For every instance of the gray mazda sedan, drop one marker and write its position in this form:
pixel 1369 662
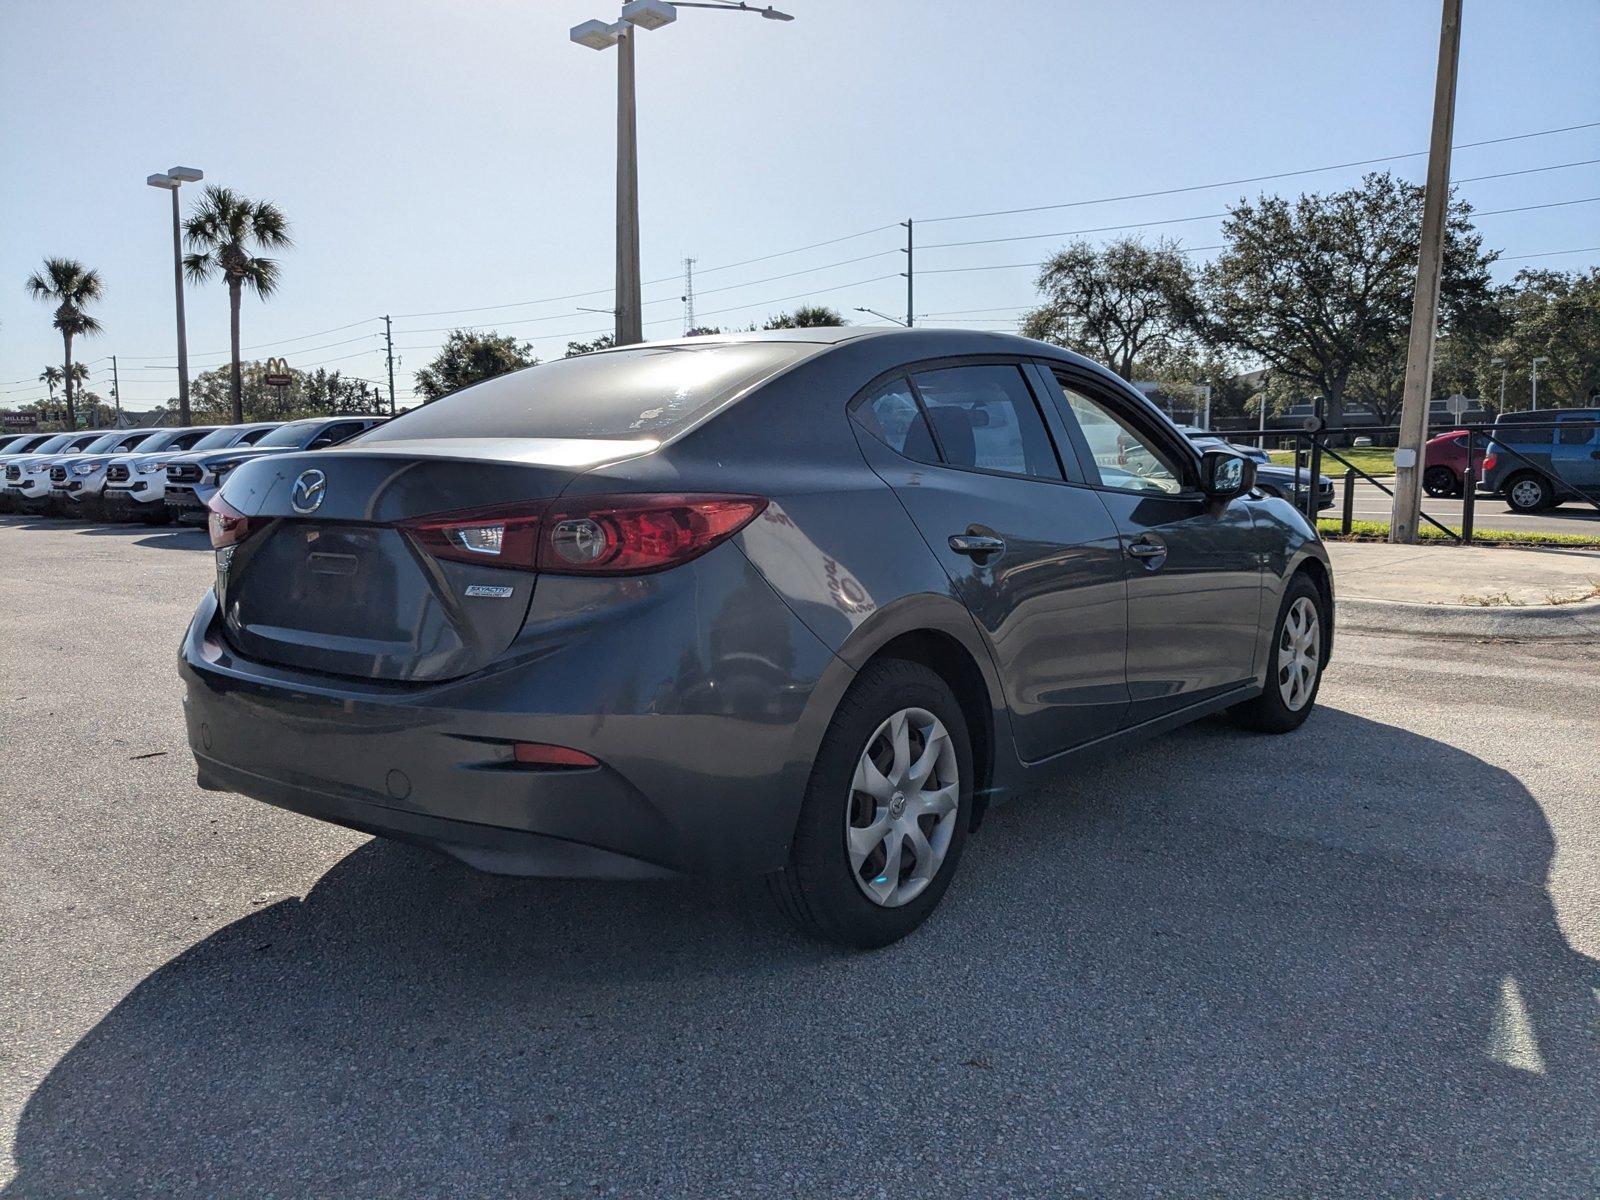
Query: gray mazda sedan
pixel 801 604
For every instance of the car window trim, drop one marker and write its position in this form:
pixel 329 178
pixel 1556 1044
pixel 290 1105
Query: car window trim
pixel 1137 408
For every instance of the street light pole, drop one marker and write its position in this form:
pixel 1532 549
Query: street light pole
pixel 1501 363
pixel 602 35
pixel 172 180
pixel 1536 362
pixel 906 324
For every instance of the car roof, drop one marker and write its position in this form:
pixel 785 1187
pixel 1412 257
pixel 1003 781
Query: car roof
pixel 1546 415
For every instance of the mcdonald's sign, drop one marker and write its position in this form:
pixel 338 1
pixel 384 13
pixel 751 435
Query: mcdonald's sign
pixel 277 373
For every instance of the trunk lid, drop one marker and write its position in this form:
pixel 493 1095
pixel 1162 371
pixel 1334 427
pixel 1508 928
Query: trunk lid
pixel 331 579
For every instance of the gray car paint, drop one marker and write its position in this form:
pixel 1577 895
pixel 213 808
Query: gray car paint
pixel 705 691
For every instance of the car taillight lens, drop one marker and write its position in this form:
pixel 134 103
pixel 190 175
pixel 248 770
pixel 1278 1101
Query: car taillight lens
pixel 633 535
pixel 602 535
pixel 1489 461
pixel 228 525
pixel 504 536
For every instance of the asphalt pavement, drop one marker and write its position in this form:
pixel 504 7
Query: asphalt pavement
pixel 1356 960
pixel 1489 512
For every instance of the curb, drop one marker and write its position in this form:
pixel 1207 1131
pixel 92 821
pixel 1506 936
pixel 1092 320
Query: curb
pixel 1529 622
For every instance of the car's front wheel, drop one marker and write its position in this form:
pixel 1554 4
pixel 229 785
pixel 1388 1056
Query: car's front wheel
pixel 1294 671
pixel 886 812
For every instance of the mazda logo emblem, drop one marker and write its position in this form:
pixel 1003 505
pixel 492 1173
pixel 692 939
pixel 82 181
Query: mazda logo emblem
pixel 308 491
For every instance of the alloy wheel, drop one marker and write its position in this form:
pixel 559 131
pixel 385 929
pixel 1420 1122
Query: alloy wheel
pixel 902 809
pixel 1527 493
pixel 1299 653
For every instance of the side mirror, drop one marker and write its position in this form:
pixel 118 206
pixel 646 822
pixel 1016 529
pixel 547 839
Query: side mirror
pixel 1225 475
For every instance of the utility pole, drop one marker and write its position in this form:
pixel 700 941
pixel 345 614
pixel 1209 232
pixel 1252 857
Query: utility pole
pixel 688 296
pixel 1425 301
pixel 910 273
pixel 116 388
pixel 630 319
pixel 388 337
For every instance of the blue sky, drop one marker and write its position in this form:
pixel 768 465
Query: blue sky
pixel 439 156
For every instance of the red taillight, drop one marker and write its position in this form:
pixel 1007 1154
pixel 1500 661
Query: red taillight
pixel 1489 461
pixel 504 536
pixel 228 525
pixel 602 535
pixel 631 535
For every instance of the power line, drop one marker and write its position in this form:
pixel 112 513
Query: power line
pixel 1201 187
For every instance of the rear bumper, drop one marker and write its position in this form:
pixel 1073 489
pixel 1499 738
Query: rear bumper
pixel 703 764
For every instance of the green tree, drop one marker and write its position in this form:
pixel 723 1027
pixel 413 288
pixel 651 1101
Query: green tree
pixel 807 316
pixel 69 285
pixel 1553 315
pixel 1320 287
pixel 604 342
pixel 468 357
pixel 1121 304
pixel 51 378
pixel 309 394
pixel 224 232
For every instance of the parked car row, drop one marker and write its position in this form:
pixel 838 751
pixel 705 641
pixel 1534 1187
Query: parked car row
pixel 149 475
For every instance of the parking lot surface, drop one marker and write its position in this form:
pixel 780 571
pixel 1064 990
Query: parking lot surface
pixel 1357 960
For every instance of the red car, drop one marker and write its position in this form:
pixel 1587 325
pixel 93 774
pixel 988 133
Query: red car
pixel 1444 462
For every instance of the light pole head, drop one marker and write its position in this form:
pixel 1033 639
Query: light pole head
pixel 649 14
pixel 773 14
pixel 597 35
pixel 1497 362
pixel 161 181
pixel 186 174
pixel 1543 358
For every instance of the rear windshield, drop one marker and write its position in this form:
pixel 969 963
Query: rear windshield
pixel 648 392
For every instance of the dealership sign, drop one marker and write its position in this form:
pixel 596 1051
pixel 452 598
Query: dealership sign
pixel 278 373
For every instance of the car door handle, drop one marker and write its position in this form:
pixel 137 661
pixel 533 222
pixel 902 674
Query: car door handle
pixel 1148 549
pixel 976 544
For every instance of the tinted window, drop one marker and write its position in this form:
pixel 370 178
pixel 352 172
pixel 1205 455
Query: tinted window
pixel 1578 433
pixel 254 436
pixel 188 439
pixel 1123 456
pixel 985 417
pixel 645 392
pixel 1514 435
pixel 891 414
pixel 334 434
pixel 217 439
pixel 295 434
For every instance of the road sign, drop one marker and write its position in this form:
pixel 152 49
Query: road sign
pixel 277 373
pixel 1457 404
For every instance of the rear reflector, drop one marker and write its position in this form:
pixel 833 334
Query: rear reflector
pixel 537 754
pixel 600 535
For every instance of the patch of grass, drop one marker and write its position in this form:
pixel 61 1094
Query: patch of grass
pixel 1378 531
pixel 1374 460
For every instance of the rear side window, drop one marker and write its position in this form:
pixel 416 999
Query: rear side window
pixel 644 392
pixel 1578 433
pixel 985 417
pixel 891 414
pixel 1514 434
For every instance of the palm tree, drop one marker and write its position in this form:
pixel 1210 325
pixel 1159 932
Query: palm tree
pixel 51 378
pixel 224 230
pixel 69 285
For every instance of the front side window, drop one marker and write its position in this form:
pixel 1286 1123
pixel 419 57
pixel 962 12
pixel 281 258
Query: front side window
pixel 1123 457
pixel 985 417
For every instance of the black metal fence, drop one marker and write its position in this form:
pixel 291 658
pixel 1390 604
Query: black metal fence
pixel 1313 445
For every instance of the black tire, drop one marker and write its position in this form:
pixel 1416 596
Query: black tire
pixel 818 890
pixel 1440 482
pixel 1529 492
pixel 1270 712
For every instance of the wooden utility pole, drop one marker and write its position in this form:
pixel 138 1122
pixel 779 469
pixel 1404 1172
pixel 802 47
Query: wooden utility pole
pixel 1408 461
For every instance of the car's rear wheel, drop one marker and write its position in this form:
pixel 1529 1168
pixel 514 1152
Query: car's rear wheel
pixel 886 812
pixel 1294 672
pixel 1440 481
pixel 1529 492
